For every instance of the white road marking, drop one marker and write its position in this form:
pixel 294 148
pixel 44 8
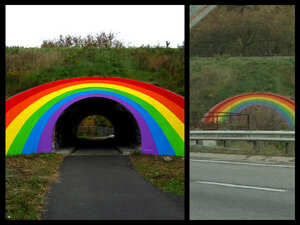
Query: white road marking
pixel 241 163
pixel 241 186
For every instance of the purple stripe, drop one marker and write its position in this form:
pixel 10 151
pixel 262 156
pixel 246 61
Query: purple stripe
pixel 147 142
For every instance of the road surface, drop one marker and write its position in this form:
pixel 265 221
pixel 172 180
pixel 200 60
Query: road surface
pixel 226 189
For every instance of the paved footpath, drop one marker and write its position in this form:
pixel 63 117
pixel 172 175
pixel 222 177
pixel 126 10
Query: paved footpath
pixel 107 187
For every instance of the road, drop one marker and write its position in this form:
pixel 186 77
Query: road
pixel 107 187
pixel 226 189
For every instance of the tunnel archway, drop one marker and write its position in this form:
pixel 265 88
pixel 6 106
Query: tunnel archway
pixel 32 115
pixel 126 130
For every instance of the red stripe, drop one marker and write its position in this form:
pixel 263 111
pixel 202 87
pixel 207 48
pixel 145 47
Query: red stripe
pixel 18 103
pixel 23 95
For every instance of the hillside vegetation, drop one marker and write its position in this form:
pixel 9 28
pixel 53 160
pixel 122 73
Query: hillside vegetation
pixel 30 67
pixel 213 80
pixel 245 30
pixel 240 49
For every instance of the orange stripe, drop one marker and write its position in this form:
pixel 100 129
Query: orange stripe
pixel 13 112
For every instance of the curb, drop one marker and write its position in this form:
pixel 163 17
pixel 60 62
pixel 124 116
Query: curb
pixel 256 158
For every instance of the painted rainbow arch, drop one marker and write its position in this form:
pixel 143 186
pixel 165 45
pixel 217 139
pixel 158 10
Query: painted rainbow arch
pixel 32 114
pixel 285 107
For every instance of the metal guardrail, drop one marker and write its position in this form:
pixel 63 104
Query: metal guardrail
pixel 245 135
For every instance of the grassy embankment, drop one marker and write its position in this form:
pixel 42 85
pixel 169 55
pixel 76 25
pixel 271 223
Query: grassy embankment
pixel 166 173
pixel 213 80
pixel 30 67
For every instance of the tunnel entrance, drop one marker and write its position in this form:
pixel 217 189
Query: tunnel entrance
pixel 95 126
pixel 126 132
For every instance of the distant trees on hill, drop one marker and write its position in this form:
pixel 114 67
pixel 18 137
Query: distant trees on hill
pixel 245 30
pixel 101 39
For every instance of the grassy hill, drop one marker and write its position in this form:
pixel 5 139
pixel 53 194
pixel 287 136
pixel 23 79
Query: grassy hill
pixel 30 67
pixel 213 80
pixel 239 49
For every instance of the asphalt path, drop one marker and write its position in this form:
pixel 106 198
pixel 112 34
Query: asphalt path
pixel 107 187
pixel 241 190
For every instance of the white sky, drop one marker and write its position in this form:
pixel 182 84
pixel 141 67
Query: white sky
pixel 29 25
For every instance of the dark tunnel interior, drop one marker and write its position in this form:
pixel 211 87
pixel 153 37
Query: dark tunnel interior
pixel 126 130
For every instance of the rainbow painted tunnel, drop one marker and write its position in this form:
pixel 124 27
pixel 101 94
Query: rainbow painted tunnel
pixel 140 112
pixel 284 107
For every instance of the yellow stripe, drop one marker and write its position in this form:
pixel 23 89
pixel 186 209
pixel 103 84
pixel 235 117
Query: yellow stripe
pixel 18 122
pixel 287 107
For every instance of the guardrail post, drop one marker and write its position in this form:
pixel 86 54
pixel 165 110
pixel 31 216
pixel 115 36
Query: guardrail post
pixel 256 146
pixel 248 121
pixel 289 146
pixel 199 142
pixel 227 144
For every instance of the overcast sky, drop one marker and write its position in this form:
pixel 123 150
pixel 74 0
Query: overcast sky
pixel 29 25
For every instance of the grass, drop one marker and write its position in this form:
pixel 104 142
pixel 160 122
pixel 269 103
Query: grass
pixel 246 148
pixel 30 67
pixel 167 175
pixel 28 178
